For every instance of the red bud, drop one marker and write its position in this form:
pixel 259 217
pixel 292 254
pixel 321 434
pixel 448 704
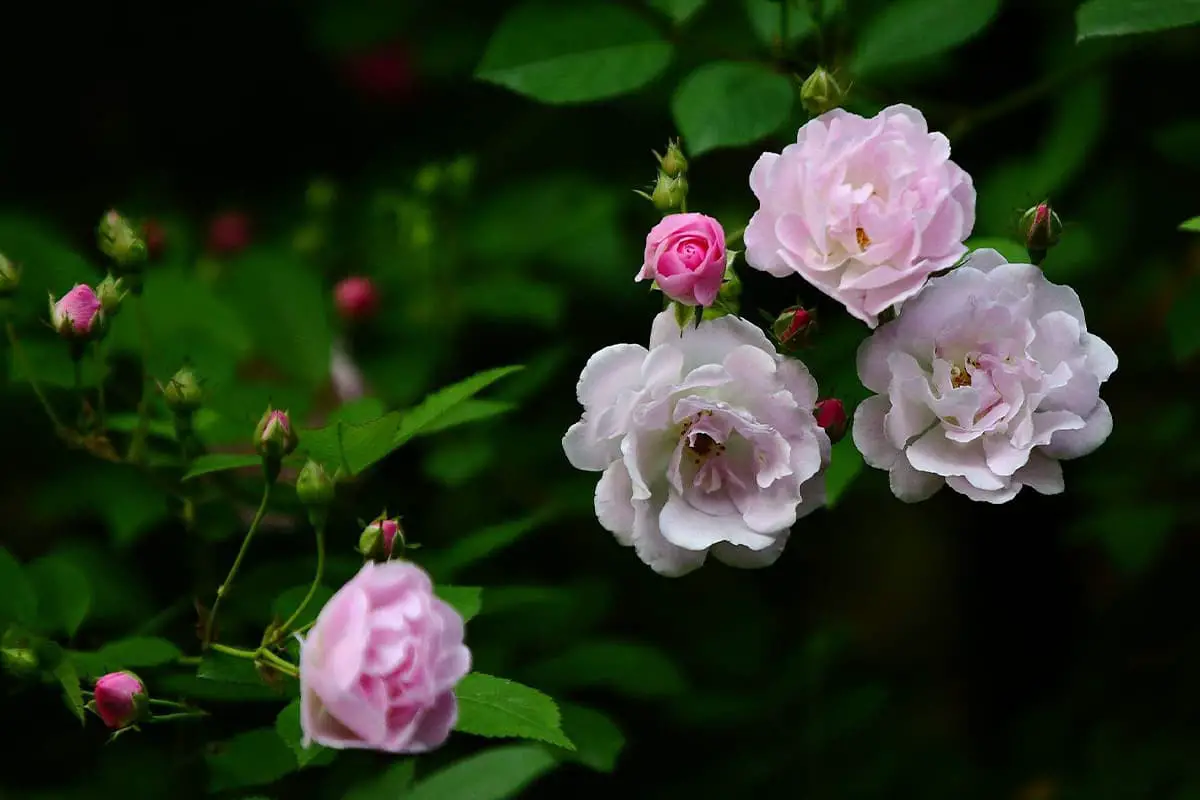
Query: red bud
pixel 356 298
pixel 831 415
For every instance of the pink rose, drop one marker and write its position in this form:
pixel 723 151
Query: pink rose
pixel 378 669
pixel 76 313
pixel 863 209
pixel 116 699
pixel 685 255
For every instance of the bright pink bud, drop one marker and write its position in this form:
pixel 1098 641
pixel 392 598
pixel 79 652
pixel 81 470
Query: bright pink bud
pixel 383 74
pixel 155 237
pixel 378 540
pixel 388 529
pixel 356 298
pixel 793 328
pixel 831 415
pixel 229 233
pixel 274 437
pixel 117 699
pixel 77 314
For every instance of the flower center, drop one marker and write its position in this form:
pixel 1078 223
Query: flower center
pixel 861 237
pixel 700 446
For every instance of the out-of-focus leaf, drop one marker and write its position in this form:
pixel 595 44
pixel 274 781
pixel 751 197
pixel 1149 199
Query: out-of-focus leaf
pixel 249 759
pixel 443 401
pixel 514 299
pixel 910 30
pixel 494 774
pixel 217 666
pixel 351 26
pixel 844 466
pixel 68 679
pixel 766 19
pixel 219 462
pixel 49 264
pixel 390 784
pixel 467 412
pixel 467 600
pixel 119 598
pixel 197 688
pixel 64 594
pixel 458 462
pixel 1133 536
pixel 447 562
pixel 490 706
pixel 598 741
pixel 628 668
pixel 356 446
pixel 1123 17
pixel 287 725
pixel 134 653
pixel 1183 322
pixel 574 52
pixel 680 11
pixel 290 600
pixel 118 494
pixel 1179 142
pixel 1192 225
pixel 18 601
pixel 729 104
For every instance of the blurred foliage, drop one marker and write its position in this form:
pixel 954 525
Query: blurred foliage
pixel 476 160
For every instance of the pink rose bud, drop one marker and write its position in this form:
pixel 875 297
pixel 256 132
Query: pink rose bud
pixel 229 233
pixel 119 699
pixel 155 237
pixel 685 257
pixel 831 415
pixel 77 314
pixel 274 437
pixel 378 540
pixel 1042 229
pixel 356 298
pixel 379 667
pixel 793 328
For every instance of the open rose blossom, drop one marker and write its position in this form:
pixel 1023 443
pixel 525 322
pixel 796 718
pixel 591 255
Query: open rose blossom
pixel 863 209
pixel 707 442
pixel 983 382
pixel 379 667
pixel 685 256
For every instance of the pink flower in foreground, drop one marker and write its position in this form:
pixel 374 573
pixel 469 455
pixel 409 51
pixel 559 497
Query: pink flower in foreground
pixel 77 314
pixel 983 382
pixel 356 298
pixel 707 443
pixel 116 699
pixel 863 209
pixel 379 667
pixel 685 256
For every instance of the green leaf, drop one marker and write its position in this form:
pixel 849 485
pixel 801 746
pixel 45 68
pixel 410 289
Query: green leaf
pixel 290 600
pixel 249 759
pixel 63 594
pixel 18 602
pixel 598 741
pixel 910 30
pixel 447 562
pixel 729 104
pixel 68 678
pixel 467 600
pixel 49 264
pixel 197 688
pixel 844 466
pixel 219 462
pixel 1123 17
pixel 510 298
pixel 457 462
pixel 680 11
pixel 573 53
pixel 287 725
pixel 489 706
pixel 224 668
pixel 441 402
pixel 1183 322
pixel 765 18
pixel 134 653
pixel 628 668
pixel 356 446
pixel 494 774
pixel 391 784
pixel 1192 225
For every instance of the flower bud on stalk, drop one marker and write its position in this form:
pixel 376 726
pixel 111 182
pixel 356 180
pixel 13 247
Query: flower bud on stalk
pixel 118 240
pixel 111 292
pixel 820 92
pixel 1041 228
pixel 673 164
pixel 316 491
pixel 378 540
pixel 77 317
pixel 793 328
pixel 831 415
pixel 183 396
pixel 670 194
pixel 119 700
pixel 274 439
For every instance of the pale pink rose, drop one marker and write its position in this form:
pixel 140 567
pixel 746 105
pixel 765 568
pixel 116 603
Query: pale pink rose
pixel 76 313
pixel 685 256
pixel 863 209
pixel 379 667
pixel 983 382
pixel 116 699
pixel 707 442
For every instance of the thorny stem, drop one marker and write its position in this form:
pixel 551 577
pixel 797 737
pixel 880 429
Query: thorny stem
pixel 312 590
pixel 19 355
pixel 237 562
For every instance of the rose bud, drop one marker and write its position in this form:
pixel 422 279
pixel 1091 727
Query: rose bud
pixel 117 239
pixel 378 540
pixel 356 298
pixel 229 233
pixel 78 315
pixel 155 237
pixel 119 699
pixel 111 292
pixel 793 328
pixel 182 393
pixel 831 415
pixel 669 193
pixel 820 92
pixel 274 437
pixel 1041 228
pixel 673 164
pixel 685 257
pixel 316 491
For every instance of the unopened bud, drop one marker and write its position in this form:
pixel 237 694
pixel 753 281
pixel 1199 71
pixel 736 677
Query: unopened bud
pixel 10 277
pixel 673 164
pixel 316 491
pixel 831 416
pixel 356 298
pixel 274 437
pixel 792 328
pixel 229 233
pixel 820 92
pixel 155 237
pixel 182 393
pixel 378 540
pixel 119 699
pixel 19 661
pixel 111 292
pixel 119 241
pixel 77 316
pixel 1042 229
pixel 669 193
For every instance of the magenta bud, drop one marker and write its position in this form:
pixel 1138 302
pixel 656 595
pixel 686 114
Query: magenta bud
pixel 274 437
pixel 793 327
pixel 378 540
pixel 119 699
pixel 77 315
pixel 831 416
pixel 356 298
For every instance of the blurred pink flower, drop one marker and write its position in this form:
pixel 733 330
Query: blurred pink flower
pixel 344 374
pixel 229 233
pixel 379 667
pixel 685 257
pixel 356 298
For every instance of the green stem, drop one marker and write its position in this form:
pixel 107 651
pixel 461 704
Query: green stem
pixel 312 590
pixel 304 628
pixel 101 404
pixel 736 236
pixel 19 356
pixel 181 715
pixel 281 664
pixel 138 443
pixel 261 654
pixel 154 701
pixel 223 589
pixel 80 398
pixel 236 652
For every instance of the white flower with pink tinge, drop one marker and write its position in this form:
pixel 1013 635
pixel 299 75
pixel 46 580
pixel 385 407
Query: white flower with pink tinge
pixel 985 380
pixel 707 443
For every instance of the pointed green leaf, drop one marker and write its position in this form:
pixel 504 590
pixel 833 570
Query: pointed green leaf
pixel 445 563
pixel 680 11
pixel 467 412
pixel 287 725
pixel 467 600
pixel 18 602
pixel 218 462
pixel 629 668
pixel 490 706
pixel 573 52
pixel 730 104
pixel 249 759
pixel 597 739
pixel 133 653
pixel 1192 225
pixel 68 678
pixel 1123 17
pixel 494 774
pixel 441 402
pixel 766 20
pixel 909 30
pixel 63 594
pixel 356 446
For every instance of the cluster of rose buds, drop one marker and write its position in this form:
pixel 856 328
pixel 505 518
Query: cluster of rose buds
pixel 670 189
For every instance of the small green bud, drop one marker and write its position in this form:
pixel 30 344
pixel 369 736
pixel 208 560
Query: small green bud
pixel 274 436
pixel 314 487
pixel 111 292
pixel 669 193
pixel 673 163
pixel 820 92
pixel 121 242
pixel 1042 229
pixel 182 393
pixel 10 277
